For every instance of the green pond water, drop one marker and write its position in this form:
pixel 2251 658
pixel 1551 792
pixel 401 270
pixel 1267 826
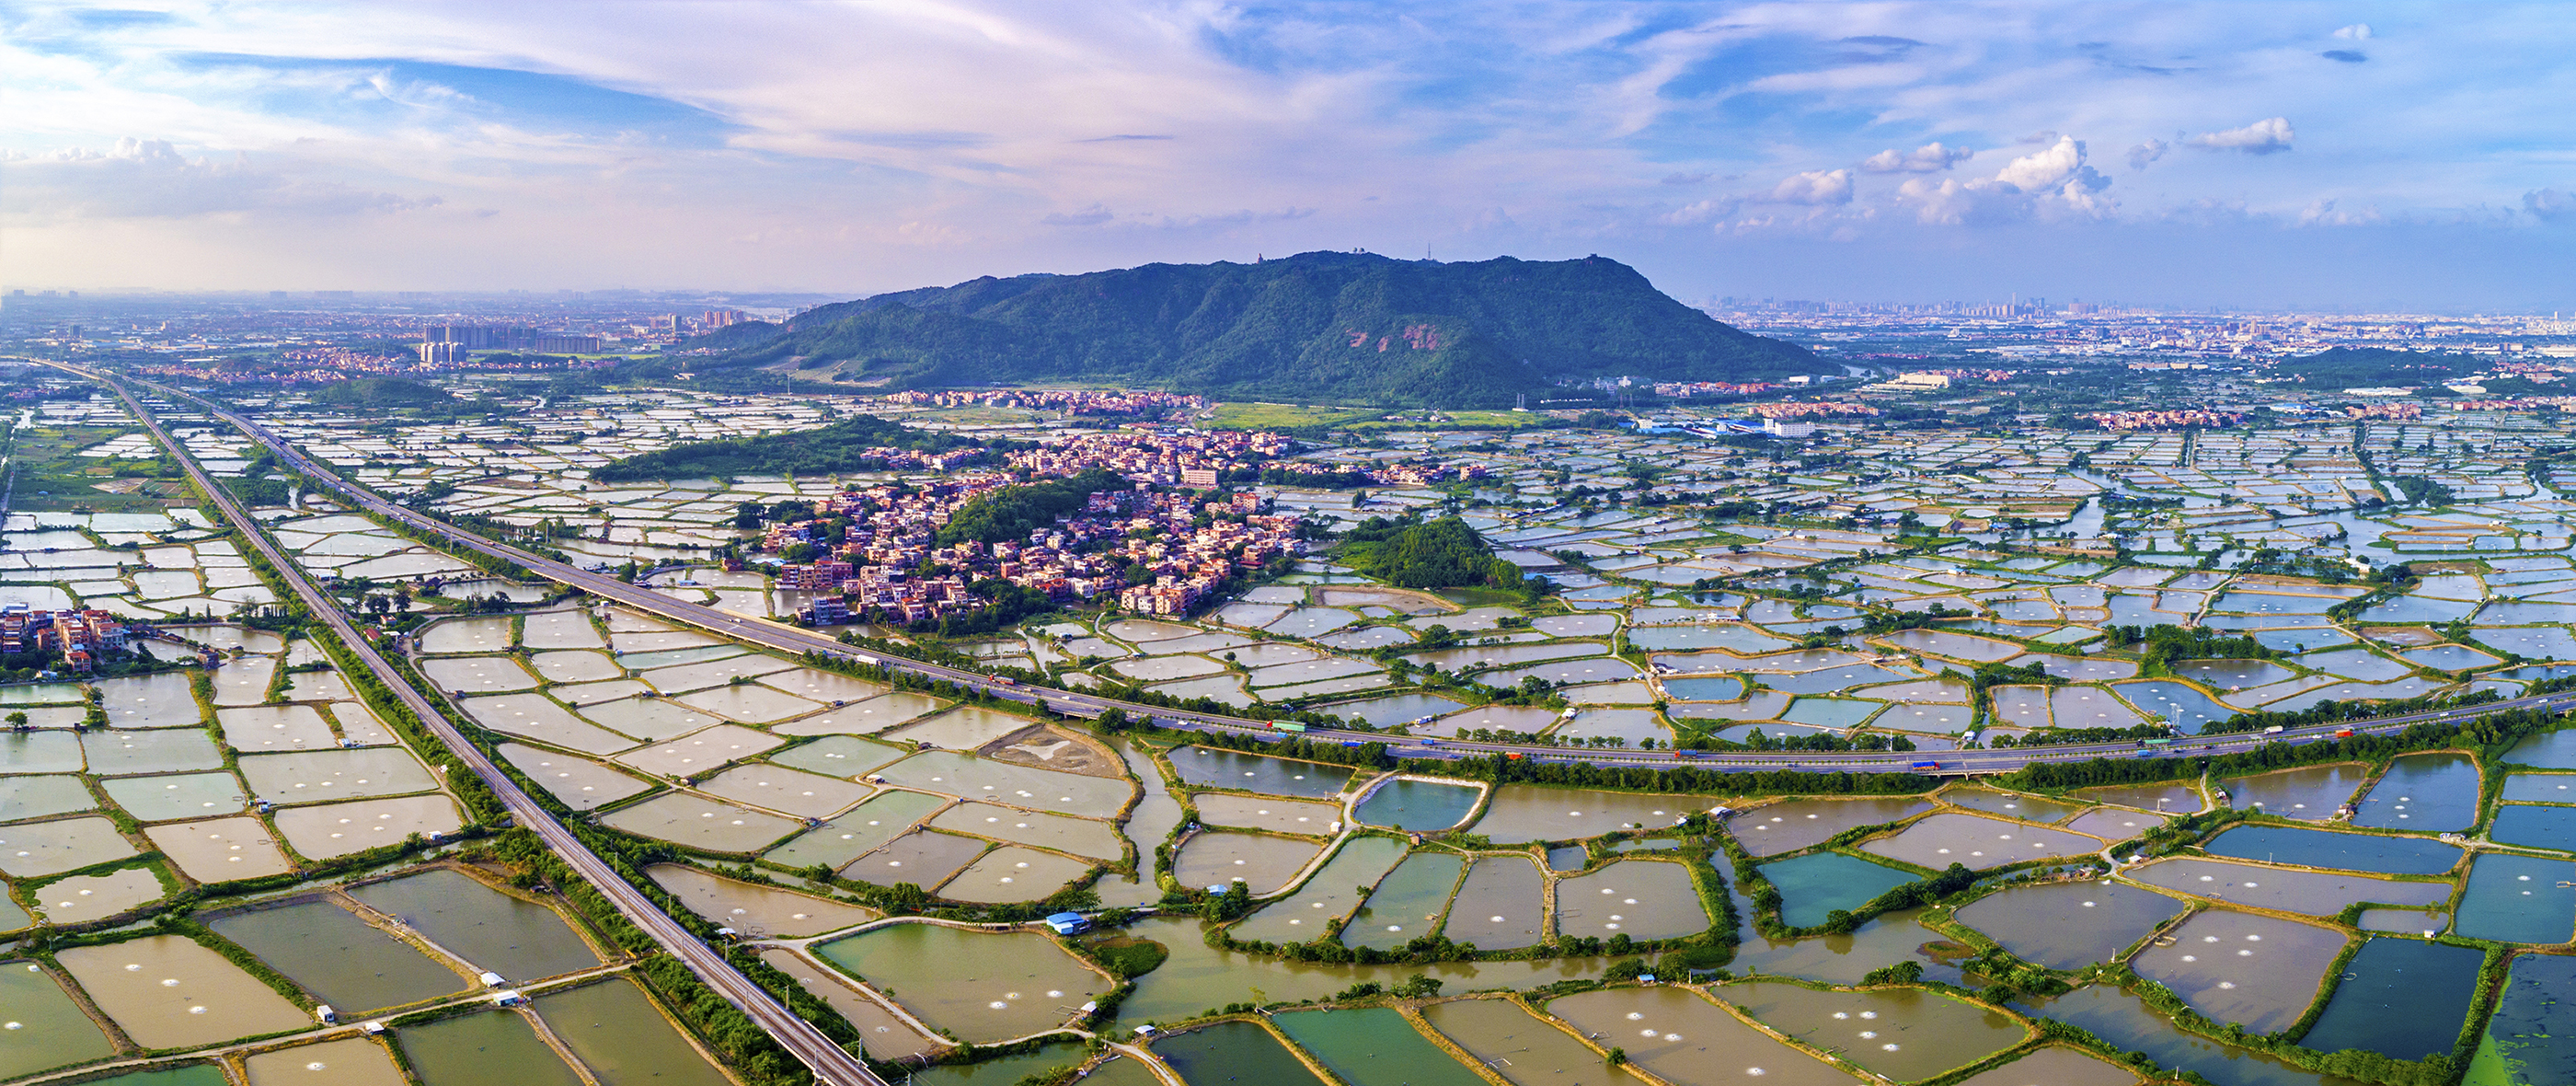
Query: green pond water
pixel 2401 998
pixel 2069 925
pixel 2518 899
pixel 2435 792
pixel 2131 1026
pixel 199 1074
pixel 2345 851
pixel 1006 1071
pixel 1422 806
pixel 1407 903
pixel 338 957
pixel 2527 1041
pixel 1821 882
pixel 1233 1052
pixel 1520 1047
pixel 615 1030
pixel 40 1027
pixel 1157 812
pixel 1198 977
pixel 1884 940
pixel 1374 1047
pixel 482 1048
pixel 520 940
pixel 1206 768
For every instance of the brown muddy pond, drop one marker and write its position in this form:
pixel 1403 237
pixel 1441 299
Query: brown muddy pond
pixel 1904 1034
pixel 1521 813
pixel 353 1062
pixel 984 986
pixel 316 775
pixel 222 849
pixel 1260 861
pixel 337 829
pixel 580 783
pixel 82 898
pixel 881 1034
pixel 64 844
pixel 165 991
pixel 1641 899
pixel 1521 1048
pixel 1329 896
pixel 865 828
pixel 1940 840
pixel 2254 970
pixel 703 823
pixel 185 795
pixel 1013 873
pixel 1795 824
pixel 2311 794
pixel 922 858
pixel 2069 925
pixel 1683 1039
pixel 1078 836
pixel 2056 1067
pixel 761 911
pixel 1501 906
pixel 340 959
pixel 788 791
pixel 845 756
pixel 1266 813
pixel 966 776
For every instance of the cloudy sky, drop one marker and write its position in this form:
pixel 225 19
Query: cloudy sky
pixel 2255 154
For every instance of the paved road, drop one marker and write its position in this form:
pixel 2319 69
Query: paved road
pixel 830 1064
pixel 1078 703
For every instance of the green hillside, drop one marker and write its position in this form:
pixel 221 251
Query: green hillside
pixel 1339 326
pixel 2362 367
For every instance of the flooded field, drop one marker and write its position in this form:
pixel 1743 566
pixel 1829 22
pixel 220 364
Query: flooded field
pixel 165 991
pixel 1902 1034
pixel 1642 899
pixel 2401 998
pixel 1684 1039
pixel 984 986
pixel 2256 971
pixel 1798 823
pixel 2069 925
pixel 1422 806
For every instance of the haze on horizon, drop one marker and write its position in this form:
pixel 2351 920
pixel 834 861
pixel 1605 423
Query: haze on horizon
pixel 2292 154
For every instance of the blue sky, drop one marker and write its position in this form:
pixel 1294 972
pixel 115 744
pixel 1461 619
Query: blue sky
pixel 2367 156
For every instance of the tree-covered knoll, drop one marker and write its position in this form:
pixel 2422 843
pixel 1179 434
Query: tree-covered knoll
pixel 840 447
pixel 382 392
pixel 1341 326
pixel 1012 512
pixel 2370 367
pixel 1443 553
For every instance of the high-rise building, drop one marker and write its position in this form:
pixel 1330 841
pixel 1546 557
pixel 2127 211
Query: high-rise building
pixel 436 352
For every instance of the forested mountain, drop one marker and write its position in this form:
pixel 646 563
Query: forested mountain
pixel 1328 326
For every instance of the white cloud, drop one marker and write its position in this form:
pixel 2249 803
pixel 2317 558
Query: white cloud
pixel 2322 212
pixel 2262 137
pixel 1815 188
pixel 2355 32
pixel 150 179
pixel 2549 203
pixel 1929 158
pixel 2054 183
pixel 2145 154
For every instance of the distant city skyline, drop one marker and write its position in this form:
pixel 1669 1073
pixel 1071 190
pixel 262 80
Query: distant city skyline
pixel 2336 157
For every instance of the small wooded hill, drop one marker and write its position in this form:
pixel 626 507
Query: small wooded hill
pixel 843 446
pixel 2362 367
pixel 1330 326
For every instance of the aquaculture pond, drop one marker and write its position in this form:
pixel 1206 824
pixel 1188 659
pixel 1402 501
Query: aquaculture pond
pixel 1374 1046
pixel 1821 882
pixel 1642 899
pixel 2181 704
pixel 47 1029
pixel 2541 827
pixel 1519 1047
pixel 1408 903
pixel 1795 824
pixel 1417 805
pixel 1260 861
pixel 2426 792
pixel 2316 893
pixel 1501 906
pixel 1233 1052
pixel 2381 853
pixel 2129 1025
pixel 1204 767
pixel 614 1029
pixel 1199 978
pixel 2259 971
pixel 1522 813
pixel 1684 1039
pixel 2402 998
pixel 1329 896
pixel 520 940
pixel 2527 1041
pixel 2069 925
pixel 2310 794
pixel 984 986
pixel 482 1048
pixel 2518 899
pixel 1902 1034
pixel 339 958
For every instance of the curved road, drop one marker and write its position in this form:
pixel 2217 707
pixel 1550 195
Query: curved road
pixel 1078 703
pixel 831 1065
